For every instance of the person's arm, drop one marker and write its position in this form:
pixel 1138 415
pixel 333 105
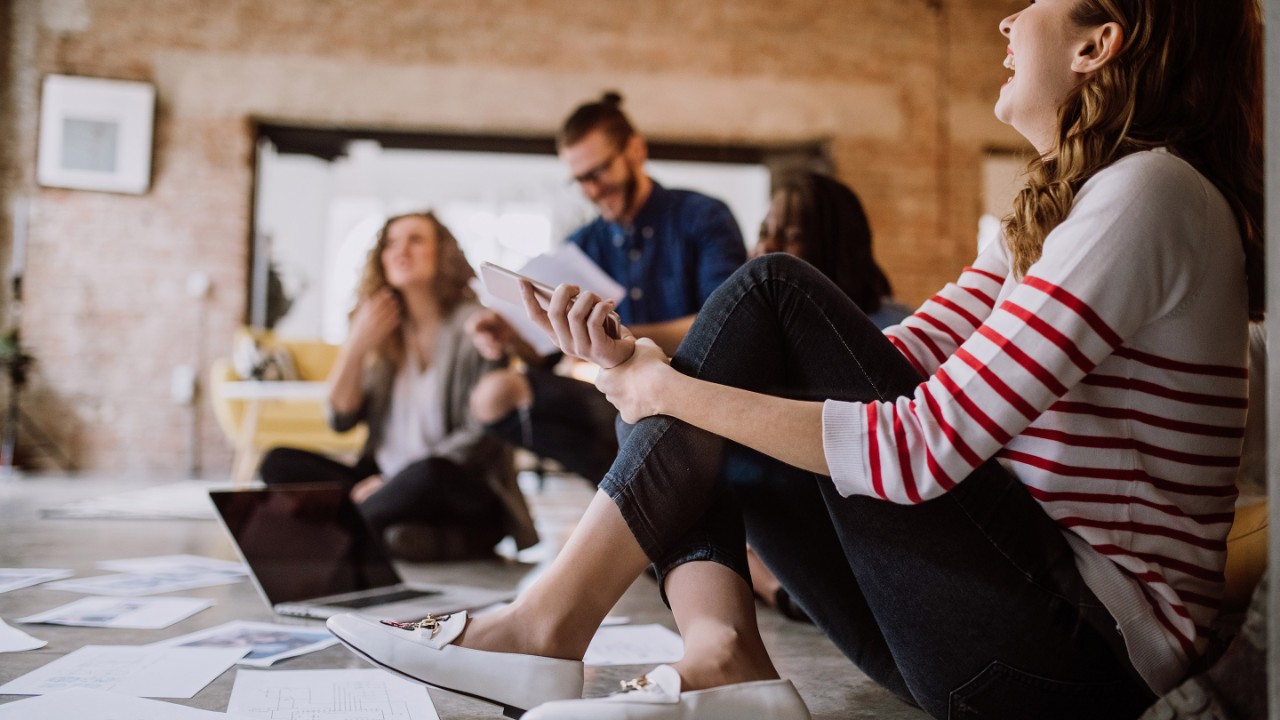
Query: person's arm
pixel 720 251
pixel 645 385
pixel 465 367
pixel 373 322
pixel 495 338
pixel 638 381
pixel 720 247
pixel 945 321
pixel 1136 231
pixel 668 334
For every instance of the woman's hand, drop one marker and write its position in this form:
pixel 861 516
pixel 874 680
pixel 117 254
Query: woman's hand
pixel 375 320
pixel 491 334
pixel 636 386
pixel 576 323
pixel 366 487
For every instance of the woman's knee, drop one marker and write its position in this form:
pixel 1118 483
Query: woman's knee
pixel 498 393
pixel 277 465
pixel 776 264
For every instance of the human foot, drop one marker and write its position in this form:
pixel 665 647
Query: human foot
pixel 661 694
pixel 426 651
pixel 515 629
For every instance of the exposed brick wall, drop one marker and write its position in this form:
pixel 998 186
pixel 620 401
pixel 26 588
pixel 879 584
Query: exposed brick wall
pixel 901 91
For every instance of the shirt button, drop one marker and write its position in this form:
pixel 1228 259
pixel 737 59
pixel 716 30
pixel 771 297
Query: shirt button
pixel 636 293
pixel 618 240
pixel 634 255
pixel 647 233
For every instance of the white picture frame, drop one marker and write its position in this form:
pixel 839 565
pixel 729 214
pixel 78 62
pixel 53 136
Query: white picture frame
pixel 96 134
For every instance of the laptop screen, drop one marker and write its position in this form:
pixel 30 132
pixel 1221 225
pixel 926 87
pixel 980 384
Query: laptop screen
pixel 304 541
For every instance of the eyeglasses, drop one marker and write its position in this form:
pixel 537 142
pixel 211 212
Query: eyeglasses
pixel 594 175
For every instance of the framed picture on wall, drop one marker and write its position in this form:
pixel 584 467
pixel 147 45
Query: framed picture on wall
pixel 95 134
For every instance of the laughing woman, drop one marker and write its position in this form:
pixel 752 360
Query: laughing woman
pixel 1013 504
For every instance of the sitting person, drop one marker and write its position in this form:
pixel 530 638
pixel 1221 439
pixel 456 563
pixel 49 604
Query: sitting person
pixel 668 248
pixel 820 220
pixel 430 481
pixel 1013 504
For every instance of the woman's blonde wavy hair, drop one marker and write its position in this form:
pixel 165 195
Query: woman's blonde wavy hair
pixel 1189 78
pixel 453 273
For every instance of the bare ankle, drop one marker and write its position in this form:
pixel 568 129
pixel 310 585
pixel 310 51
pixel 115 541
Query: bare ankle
pixel 513 630
pixel 723 660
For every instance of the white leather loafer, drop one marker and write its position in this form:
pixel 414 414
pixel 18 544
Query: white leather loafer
pixel 657 696
pixel 422 651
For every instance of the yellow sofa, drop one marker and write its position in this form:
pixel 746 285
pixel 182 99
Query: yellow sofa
pixel 1246 554
pixel 298 422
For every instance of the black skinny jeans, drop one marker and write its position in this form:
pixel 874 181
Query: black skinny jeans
pixel 969 605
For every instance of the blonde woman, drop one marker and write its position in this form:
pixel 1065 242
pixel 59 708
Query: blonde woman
pixel 429 479
pixel 1011 505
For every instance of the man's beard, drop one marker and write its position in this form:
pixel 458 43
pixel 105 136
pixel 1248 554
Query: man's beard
pixel 630 189
pixel 627 190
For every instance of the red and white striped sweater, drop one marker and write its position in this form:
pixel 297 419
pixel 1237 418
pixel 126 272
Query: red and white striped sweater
pixel 1111 380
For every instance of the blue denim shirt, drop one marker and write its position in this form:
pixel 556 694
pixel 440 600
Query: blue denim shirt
pixel 680 247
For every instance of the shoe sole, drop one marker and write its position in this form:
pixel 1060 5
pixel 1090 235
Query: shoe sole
pixel 508 710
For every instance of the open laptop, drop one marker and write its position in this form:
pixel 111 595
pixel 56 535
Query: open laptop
pixel 311 555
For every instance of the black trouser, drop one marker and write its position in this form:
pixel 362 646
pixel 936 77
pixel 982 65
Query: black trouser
pixel 569 421
pixel 432 491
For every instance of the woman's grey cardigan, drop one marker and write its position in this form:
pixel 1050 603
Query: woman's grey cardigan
pixel 465 443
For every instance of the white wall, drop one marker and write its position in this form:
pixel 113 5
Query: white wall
pixel 505 208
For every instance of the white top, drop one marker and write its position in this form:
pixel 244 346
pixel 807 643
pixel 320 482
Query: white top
pixel 1112 381
pixel 415 422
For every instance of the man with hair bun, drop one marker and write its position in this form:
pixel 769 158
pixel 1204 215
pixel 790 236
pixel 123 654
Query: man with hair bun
pixel 669 248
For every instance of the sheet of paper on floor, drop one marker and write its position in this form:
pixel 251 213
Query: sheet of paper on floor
pixel 186 500
pixel 137 584
pixel 14 640
pixel 322 693
pixel 634 645
pixel 136 613
pixel 129 670
pixel 14 578
pixel 84 704
pixel 162 564
pixel 267 643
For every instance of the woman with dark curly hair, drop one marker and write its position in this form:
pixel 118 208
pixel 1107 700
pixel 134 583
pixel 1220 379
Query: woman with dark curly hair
pixel 430 480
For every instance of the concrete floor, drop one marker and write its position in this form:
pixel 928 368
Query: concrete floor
pixel 829 683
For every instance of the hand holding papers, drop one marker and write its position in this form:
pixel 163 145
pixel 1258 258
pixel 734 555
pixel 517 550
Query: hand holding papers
pixel 505 285
pixel 568 264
